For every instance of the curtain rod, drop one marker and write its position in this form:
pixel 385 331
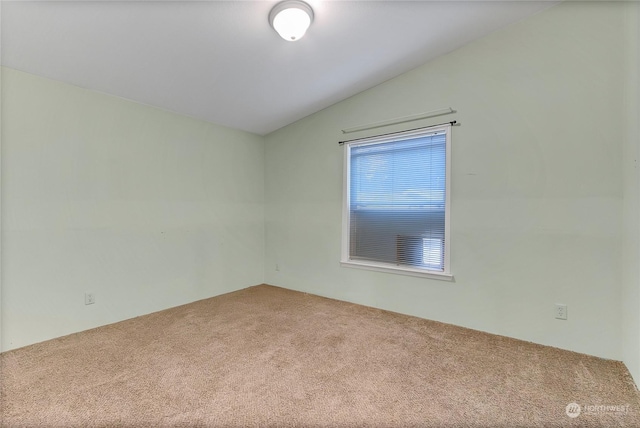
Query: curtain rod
pixel 452 123
pixel 398 120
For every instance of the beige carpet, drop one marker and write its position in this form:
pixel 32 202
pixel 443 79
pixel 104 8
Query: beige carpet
pixel 265 356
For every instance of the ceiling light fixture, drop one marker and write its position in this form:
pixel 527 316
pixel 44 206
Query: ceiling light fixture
pixel 291 18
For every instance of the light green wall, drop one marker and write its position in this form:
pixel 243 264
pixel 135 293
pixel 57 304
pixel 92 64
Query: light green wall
pixel 631 202
pixel 146 208
pixel 537 184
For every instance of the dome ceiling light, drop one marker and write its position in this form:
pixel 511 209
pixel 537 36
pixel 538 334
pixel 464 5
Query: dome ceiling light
pixel 291 19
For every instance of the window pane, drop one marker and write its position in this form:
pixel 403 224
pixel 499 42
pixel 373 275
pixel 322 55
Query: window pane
pixel 407 173
pixel 397 201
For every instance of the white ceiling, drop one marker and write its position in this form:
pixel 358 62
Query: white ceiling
pixel 221 61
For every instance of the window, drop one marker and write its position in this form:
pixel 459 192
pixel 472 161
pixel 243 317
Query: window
pixel 396 204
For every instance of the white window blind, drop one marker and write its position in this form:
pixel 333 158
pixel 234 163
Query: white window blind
pixel 397 200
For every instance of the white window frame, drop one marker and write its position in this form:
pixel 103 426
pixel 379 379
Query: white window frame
pixel 346 235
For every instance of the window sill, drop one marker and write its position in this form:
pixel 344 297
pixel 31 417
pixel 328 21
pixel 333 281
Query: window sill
pixel 398 270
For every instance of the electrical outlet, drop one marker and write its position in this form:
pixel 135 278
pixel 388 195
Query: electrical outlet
pixel 277 267
pixel 89 298
pixel 561 311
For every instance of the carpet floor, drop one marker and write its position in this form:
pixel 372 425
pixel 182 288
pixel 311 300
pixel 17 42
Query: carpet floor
pixel 269 357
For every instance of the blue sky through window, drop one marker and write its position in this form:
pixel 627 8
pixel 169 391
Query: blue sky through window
pixel 408 174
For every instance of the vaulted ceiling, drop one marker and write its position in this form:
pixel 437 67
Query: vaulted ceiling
pixel 221 61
